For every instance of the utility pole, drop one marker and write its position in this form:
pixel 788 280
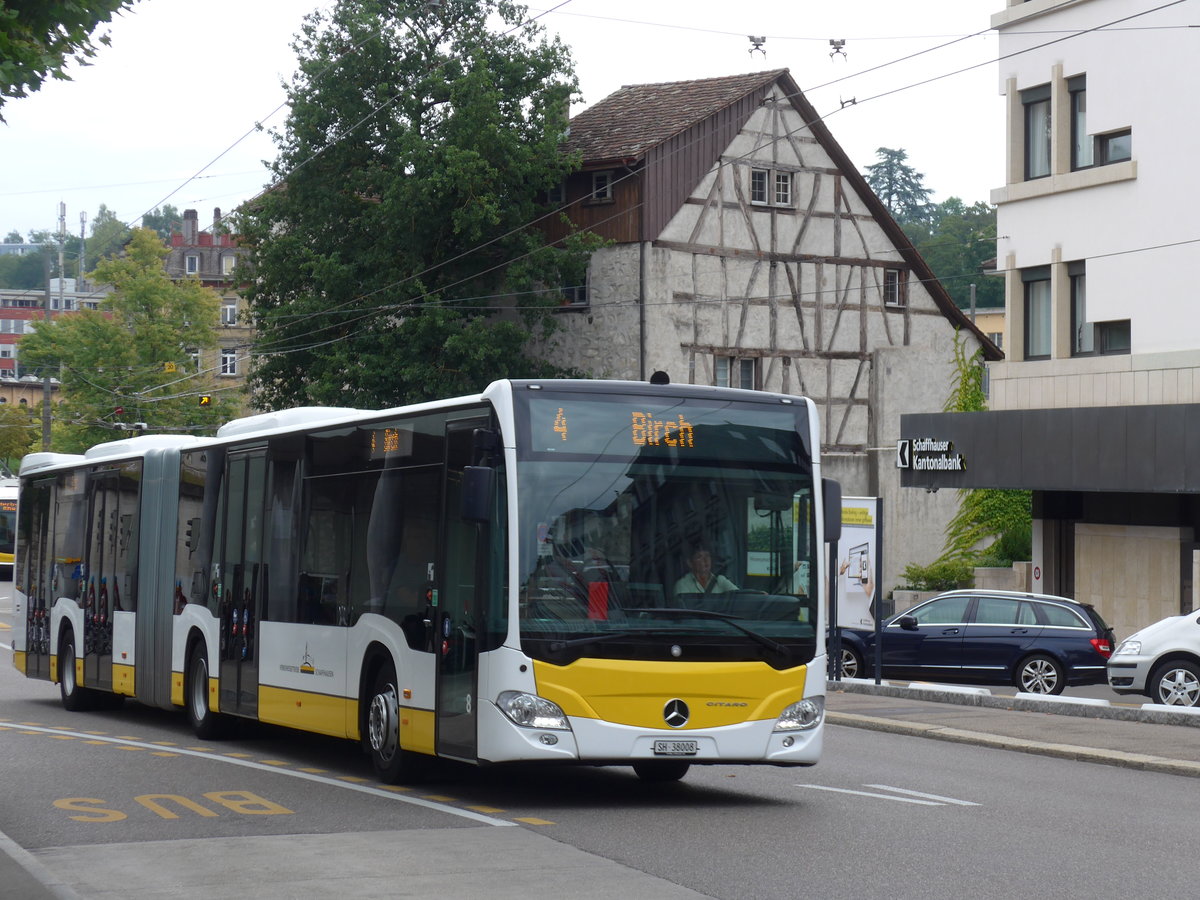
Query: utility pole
pixel 45 377
pixel 82 251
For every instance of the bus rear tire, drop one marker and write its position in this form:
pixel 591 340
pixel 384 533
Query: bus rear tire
pixel 75 698
pixel 206 724
pixel 661 770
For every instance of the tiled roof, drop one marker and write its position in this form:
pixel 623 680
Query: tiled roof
pixel 626 124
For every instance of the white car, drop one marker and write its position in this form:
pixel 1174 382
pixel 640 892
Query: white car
pixel 1161 661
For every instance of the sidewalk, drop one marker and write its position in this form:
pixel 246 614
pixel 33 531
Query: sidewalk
pixel 1154 738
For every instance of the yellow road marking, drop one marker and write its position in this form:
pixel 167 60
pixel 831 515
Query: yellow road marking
pixel 63 737
pixel 274 762
pixel 238 755
pixel 164 753
pixel 134 749
pixel 396 788
pixel 353 779
pixel 97 743
pixel 532 821
pixel 314 771
pixel 439 798
pixel 486 809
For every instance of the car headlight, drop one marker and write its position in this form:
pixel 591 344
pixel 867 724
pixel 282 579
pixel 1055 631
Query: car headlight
pixel 1129 648
pixel 532 711
pixel 802 715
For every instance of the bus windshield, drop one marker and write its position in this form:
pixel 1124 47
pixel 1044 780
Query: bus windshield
pixel 659 527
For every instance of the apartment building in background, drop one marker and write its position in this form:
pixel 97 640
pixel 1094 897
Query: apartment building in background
pixel 1096 406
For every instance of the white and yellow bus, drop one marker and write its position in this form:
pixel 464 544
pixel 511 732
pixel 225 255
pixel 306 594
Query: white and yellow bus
pixel 8 524
pixel 486 579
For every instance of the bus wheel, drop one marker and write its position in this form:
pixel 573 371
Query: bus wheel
pixel 659 770
pixel 74 697
pixel 381 736
pixel 206 724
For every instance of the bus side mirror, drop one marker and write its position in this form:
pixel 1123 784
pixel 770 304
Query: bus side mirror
pixel 831 498
pixel 477 494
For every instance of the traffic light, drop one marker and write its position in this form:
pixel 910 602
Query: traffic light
pixel 206 400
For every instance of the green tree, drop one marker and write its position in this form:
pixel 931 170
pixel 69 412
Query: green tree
pixel 39 37
pixel 956 240
pixel 109 235
pixel 18 431
pixel 419 138
pixel 14 237
pixel 130 361
pixel 1001 518
pixel 900 186
pixel 165 221
pixel 26 272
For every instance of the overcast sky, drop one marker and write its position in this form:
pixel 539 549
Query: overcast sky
pixel 163 113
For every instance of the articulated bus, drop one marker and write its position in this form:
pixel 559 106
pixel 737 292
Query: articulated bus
pixel 487 579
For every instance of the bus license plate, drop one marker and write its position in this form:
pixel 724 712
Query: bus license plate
pixel 676 748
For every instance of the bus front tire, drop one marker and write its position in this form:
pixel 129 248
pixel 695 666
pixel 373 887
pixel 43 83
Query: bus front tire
pixel 206 724
pixel 381 730
pixel 75 698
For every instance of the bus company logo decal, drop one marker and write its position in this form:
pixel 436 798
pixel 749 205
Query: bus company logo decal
pixel 676 713
pixel 726 703
pixel 306 667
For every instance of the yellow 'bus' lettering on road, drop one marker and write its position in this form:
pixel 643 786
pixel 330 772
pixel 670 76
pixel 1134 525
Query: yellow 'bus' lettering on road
pixel 150 802
pixel 248 803
pixel 95 814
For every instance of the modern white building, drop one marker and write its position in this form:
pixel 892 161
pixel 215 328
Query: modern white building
pixel 1096 408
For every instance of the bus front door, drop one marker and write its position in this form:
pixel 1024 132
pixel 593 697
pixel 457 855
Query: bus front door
pixel 458 611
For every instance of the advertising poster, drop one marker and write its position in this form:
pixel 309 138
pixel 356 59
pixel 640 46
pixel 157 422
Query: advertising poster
pixel 856 562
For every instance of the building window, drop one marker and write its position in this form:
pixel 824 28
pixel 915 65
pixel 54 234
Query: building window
pixel 557 195
pixel 734 372
pixel 1114 147
pixel 758 186
pixel 783 188
pixel 1082 342
pixel 191 265
pixel 1037 312
pixel 602 187
pixel 229 362
pixel 893 288
pixel 228 264
pixel 194 354
pixel 997 338
pixel 770 188
pixel 1037 131
pixel 576 295
pixel 229 312
pixel 12 326
pixel 1081 141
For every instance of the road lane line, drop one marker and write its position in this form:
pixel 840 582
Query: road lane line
pixel 304 776
pixel 888 787
pixel 821 787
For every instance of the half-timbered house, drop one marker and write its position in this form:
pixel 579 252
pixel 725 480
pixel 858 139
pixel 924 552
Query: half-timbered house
pixel 746 250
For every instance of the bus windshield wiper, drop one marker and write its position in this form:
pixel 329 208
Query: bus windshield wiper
pixel 675 612
pixel 602 636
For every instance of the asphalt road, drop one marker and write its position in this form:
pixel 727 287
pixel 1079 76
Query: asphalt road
pixel 127 803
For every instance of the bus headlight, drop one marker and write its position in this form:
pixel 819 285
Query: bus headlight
pixel 802 715
pixel 532 711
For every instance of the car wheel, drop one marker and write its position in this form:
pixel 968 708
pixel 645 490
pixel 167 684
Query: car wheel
pixel 852 664
pixel 661 771
pixel 1176 683
pixel 1040 675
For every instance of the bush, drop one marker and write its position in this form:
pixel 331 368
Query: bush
pixel 1012 546
pixel 942 575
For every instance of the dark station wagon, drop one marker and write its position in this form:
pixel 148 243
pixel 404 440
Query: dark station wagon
pixel 1035 642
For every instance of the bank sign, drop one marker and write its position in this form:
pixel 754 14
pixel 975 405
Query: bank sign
pixel 929 455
